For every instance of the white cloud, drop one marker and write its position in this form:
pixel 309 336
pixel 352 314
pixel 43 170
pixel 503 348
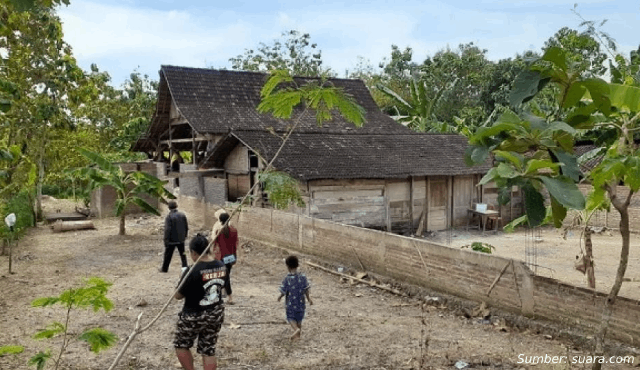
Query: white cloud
pixel 120 38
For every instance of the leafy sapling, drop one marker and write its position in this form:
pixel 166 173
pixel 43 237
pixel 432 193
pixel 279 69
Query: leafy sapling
pixel 91 295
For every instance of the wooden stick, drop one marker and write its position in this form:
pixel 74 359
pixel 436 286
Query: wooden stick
pixel 358 257
pixel 426 270
pixel 498 277
pixel 394 291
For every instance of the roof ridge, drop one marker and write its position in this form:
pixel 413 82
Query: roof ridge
pixel 233 71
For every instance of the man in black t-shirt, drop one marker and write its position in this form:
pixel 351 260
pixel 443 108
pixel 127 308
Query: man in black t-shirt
pixel 203 311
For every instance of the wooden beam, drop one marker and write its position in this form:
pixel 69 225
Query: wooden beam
pixel 185 140
pixel 427 204
pixel 387 207
pixel 411 187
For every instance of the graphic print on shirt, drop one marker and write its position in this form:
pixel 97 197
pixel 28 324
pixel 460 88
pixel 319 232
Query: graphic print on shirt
pixel 213 287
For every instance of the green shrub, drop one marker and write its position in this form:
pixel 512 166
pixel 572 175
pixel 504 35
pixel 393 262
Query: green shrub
pixel 21 206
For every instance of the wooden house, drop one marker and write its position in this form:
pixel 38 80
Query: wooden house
pixel 381 175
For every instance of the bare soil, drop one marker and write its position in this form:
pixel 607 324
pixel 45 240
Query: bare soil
pixel 350 326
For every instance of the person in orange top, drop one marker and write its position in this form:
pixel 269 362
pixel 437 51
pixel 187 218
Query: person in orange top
pixel 227 243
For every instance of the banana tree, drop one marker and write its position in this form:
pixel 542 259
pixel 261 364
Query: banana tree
pixel 130 187
pixel 419 113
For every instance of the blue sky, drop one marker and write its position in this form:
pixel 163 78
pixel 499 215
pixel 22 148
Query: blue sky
pixel 123 35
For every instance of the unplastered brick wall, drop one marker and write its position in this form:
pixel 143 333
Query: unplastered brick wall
pixel 500 282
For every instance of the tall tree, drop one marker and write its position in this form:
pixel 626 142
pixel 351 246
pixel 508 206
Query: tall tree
pixel 582 50
pixel 296 54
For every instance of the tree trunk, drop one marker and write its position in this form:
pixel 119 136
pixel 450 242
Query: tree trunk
pixel 623 209
pixel 38 210
pixel 588 248
pixel 122 229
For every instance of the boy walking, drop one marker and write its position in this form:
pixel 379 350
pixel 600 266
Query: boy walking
pixel 294 288
pixel 203 311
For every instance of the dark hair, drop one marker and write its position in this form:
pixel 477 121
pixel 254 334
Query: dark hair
pixel 198 243
pixel 292 262
pixel 224 217
pixel 172 204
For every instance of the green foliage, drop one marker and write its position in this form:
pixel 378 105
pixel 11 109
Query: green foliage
pixel 480 247
pixel 282 189
pixel 280 96
pixel 419 113
pixel 322 97
pixel 11 350
pixel 99 339
pixel 40 359
pixel 21 205
pixel 92 294
pixel 296 54
pixel 130 187
pixel 50 331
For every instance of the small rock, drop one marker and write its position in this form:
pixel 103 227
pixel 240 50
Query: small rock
pixel 461 365
pixel 142 303
pixel 547 336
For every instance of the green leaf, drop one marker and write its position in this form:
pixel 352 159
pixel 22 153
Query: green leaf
pixel 275 78
pixel 44 301
pixel 600 92
pixel 505 171
pixel 570 166
pixel 526 86
pixel 632 174
pixel 510 227
pixel 564 190
pixel 99 160
pixel 557 56
pixel 51 331
pixel 516 159
pixel 625 96
pixel 491 174
pixel 476 155
pixel 533 165
pixel 533 205
pixel 145 206
pixel 11 350
pixel 597 200
pixel 40 359
pixel 99 339
pixel 559 212
pixel 574 94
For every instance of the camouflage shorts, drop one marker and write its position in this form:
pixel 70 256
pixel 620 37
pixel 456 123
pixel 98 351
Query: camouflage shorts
pixel 203 325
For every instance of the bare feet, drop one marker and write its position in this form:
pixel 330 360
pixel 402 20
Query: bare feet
pixel 296 334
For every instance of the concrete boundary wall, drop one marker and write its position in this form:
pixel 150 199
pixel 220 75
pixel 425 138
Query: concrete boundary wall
pixel 503 283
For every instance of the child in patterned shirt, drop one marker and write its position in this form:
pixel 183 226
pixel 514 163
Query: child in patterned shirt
pixel 295 287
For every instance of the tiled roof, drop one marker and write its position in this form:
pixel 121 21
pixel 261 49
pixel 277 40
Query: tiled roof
pixel 224 102
pixel 333 156
pixel 215 100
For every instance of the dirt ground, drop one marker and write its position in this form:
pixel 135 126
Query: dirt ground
pixel 350 326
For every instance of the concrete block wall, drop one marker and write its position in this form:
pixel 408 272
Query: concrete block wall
pixel 459 272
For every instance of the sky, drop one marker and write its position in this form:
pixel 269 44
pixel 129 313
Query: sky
pixel 123 36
